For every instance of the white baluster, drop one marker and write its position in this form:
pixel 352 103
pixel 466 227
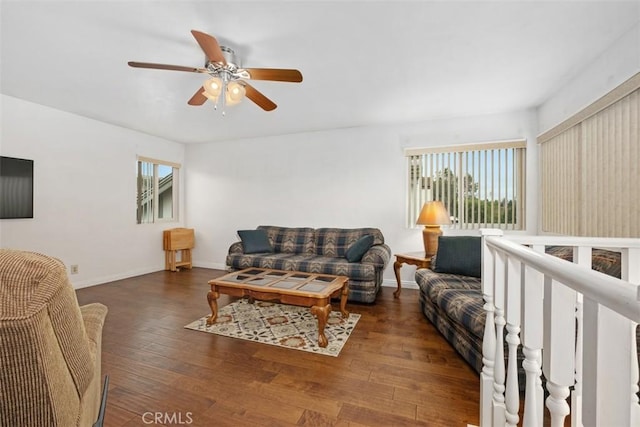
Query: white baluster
pixel 489 336
pixel 540 389
pixel 576 396
pixel 631 273
pixel 532 326
pixel 532 414
pixel 559 347
pixel 513 298
pixel 512 399
pixel 488 353
pixel 499 409
pixel 581 256
pixel 635 404
pixel 557 403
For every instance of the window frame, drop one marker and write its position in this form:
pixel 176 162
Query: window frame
pixel 156 189
pixel 419 191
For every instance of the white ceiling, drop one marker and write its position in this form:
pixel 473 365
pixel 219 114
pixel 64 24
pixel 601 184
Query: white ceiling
pixel 363 62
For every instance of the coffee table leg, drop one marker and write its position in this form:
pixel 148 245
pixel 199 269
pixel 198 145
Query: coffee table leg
pixel 322 313
pixel 212 298
pixel 343 300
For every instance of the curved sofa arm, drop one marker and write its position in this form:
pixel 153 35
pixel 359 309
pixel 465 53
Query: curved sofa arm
pixel 377 255
pixel 236 248
pixel 93 316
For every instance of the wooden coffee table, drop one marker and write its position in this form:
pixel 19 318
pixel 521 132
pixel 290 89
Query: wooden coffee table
pixel 288 287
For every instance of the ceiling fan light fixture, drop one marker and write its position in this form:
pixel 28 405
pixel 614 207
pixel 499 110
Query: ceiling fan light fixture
pixel 213 87
pixel 235 93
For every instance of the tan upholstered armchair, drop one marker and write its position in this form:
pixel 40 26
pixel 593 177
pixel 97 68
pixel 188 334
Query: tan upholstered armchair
pixel 49 346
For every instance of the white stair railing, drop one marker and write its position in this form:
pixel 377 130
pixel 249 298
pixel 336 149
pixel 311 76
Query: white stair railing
pixel 576 329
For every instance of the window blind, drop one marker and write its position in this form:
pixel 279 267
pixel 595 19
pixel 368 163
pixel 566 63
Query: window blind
pixel 591 171
pixel 481 185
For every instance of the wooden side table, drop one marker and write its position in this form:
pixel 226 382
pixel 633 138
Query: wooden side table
pixel 412 258
pixel 177 240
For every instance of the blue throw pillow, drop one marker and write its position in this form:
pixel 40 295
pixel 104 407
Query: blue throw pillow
pixel 459 255
pixel 356 251
pixel 255 241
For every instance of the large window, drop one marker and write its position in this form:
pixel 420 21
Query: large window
pixel 481 185
pixel 589 167
pixel 157 198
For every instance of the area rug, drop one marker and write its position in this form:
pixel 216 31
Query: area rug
pixel 280 325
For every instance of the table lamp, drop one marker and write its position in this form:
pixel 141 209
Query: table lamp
pixel 432 216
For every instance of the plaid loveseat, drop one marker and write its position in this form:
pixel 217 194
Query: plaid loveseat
pixel 454 303
pixel 320 250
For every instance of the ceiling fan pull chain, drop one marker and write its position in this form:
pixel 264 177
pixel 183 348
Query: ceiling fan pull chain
pixel 223 93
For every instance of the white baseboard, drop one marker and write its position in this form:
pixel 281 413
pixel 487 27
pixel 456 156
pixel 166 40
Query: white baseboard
pixel 406 284
pixel 207 264
pixel 112 278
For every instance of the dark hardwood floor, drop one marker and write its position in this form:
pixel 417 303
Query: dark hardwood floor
pixel 395 369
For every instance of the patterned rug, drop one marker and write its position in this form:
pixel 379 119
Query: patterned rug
pixel 278 324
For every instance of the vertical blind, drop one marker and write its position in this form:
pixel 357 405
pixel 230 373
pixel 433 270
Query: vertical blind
pixel 561 175
pixel 145 180
pixel 591 173
pixel 481 185
pixel 157 190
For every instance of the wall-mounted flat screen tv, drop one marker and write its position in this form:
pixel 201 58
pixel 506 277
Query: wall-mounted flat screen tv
pixel 16 188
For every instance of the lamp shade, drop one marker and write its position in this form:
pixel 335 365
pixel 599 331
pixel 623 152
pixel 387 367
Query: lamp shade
pixel 213 87
pixel 434 213
pixel 235 93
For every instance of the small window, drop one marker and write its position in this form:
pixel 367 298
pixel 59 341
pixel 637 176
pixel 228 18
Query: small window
pixel 157 191
pixel 481 185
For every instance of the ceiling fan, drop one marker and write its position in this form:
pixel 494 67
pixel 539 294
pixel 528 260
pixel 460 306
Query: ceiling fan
pixel 227 85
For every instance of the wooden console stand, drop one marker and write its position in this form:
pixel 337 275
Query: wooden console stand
pixel 178 240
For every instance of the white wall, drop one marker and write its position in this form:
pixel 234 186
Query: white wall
pixel 616 65
pixel 84 192
pixel 340 178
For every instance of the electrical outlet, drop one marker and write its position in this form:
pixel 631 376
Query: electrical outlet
pixel 74 269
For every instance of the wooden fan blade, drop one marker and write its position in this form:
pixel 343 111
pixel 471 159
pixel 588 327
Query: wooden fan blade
pixel 166 67
pixel 210 46
pixel 198 98
pixel 275 74
pixel 262 101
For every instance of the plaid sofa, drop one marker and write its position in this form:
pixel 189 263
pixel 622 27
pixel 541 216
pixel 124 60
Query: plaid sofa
pixel 454 303
pixel 320 250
